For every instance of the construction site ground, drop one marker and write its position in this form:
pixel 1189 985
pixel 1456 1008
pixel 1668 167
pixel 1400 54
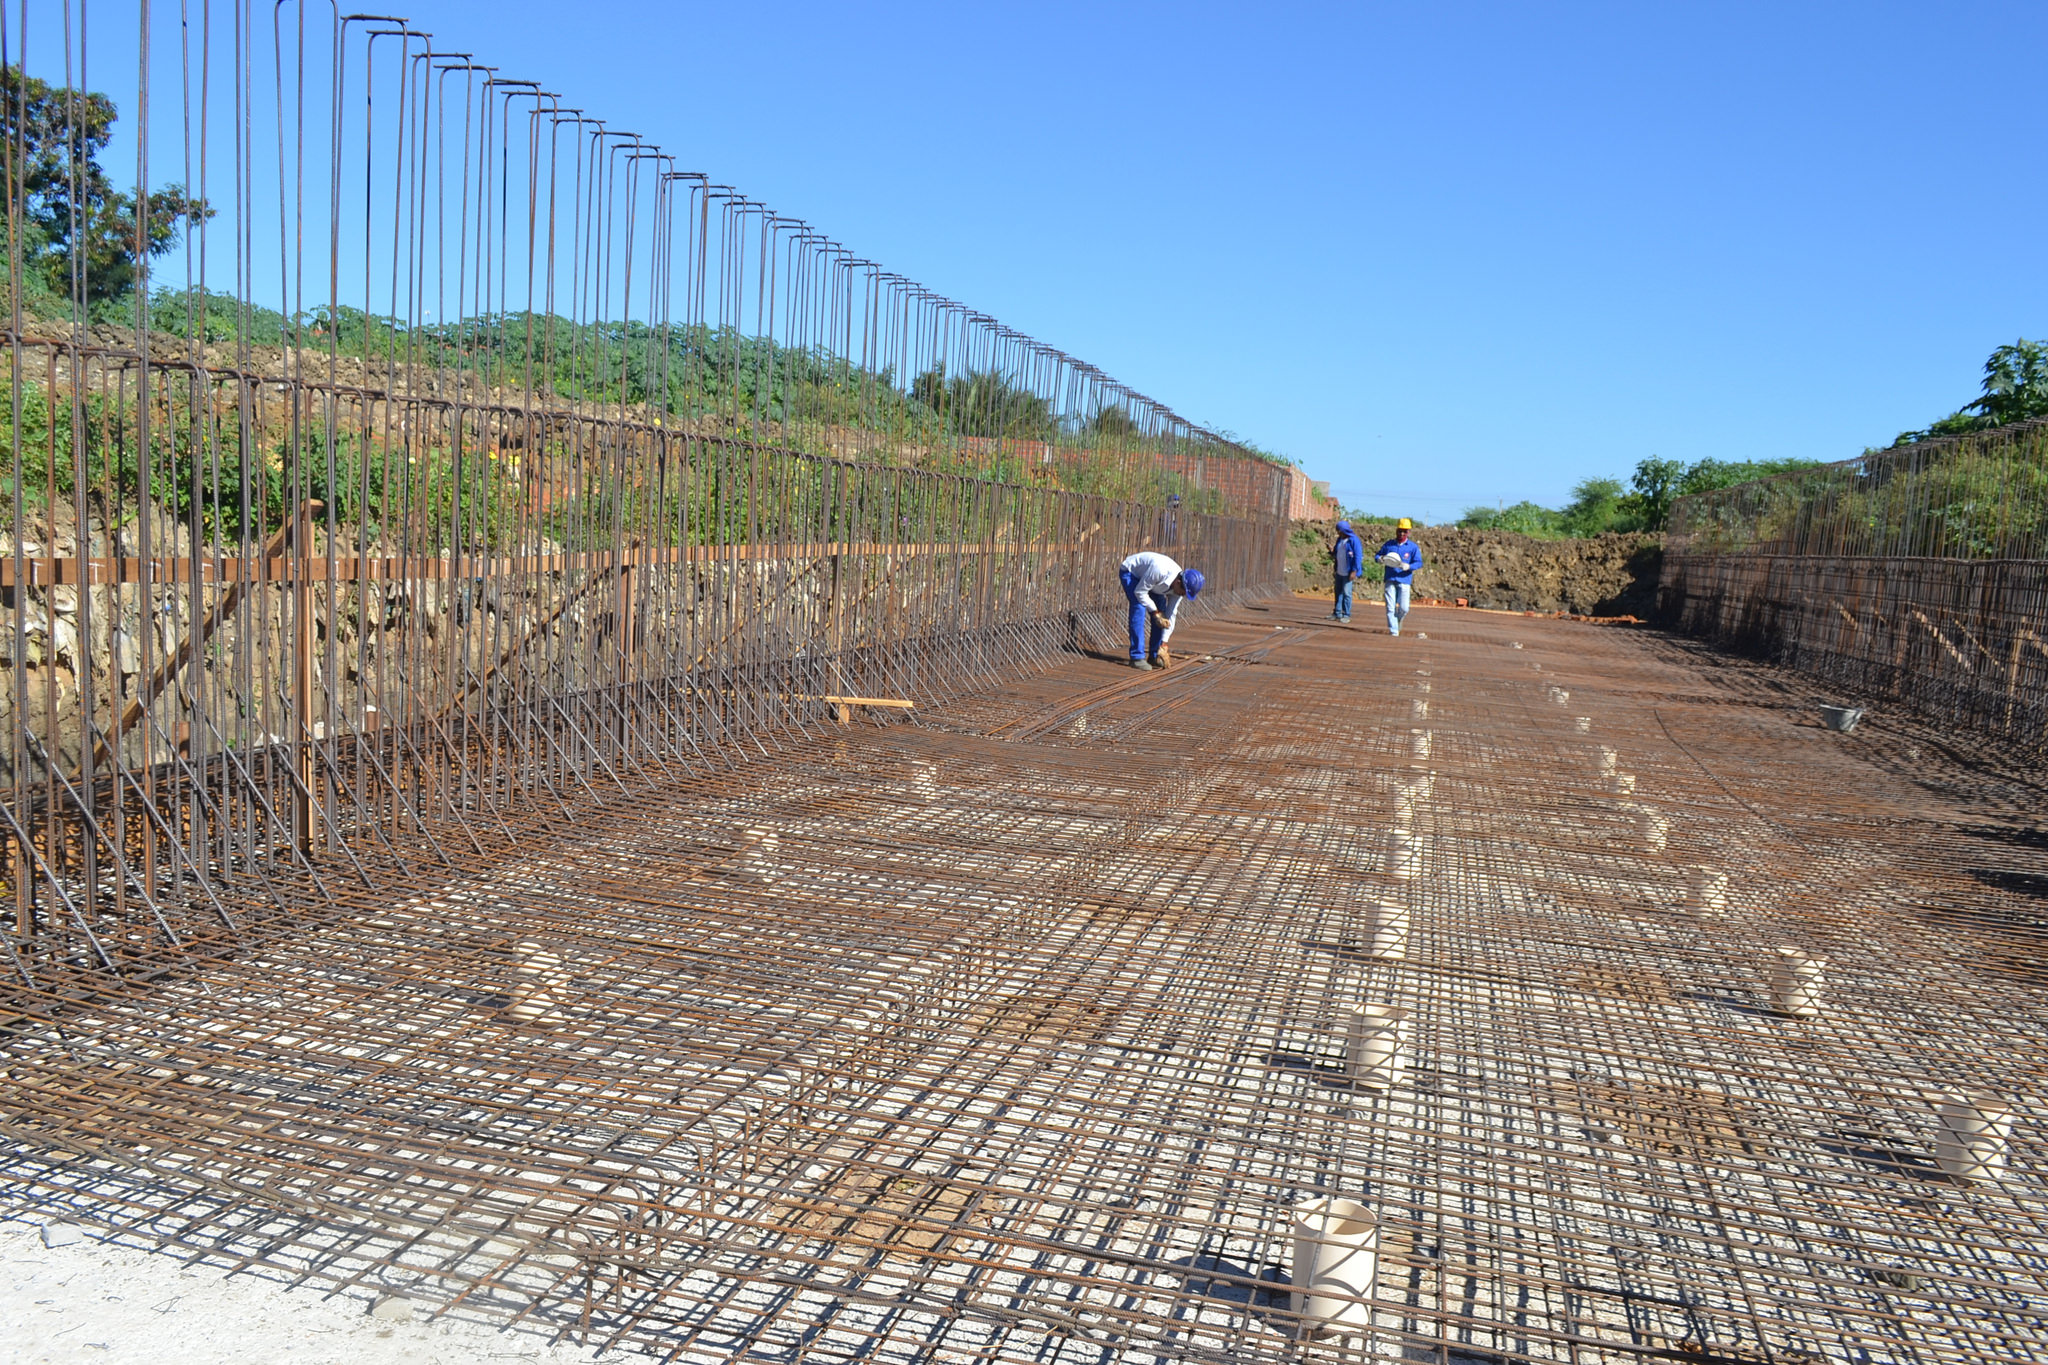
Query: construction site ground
pixel 1016 1031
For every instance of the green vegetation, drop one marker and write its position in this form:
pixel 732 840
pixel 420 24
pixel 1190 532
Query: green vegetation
pixel 86 249
pixel 80 233
pixel 1982 496
pixel 2015 390
pixel 1603 505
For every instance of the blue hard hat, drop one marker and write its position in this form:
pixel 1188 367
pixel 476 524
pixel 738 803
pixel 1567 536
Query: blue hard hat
pixel 1343 525
pixel 1193 578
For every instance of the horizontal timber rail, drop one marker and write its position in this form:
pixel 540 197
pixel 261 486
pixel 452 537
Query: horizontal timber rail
pixel 288 567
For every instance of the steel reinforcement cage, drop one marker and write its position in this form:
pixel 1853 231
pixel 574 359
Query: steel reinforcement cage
pixel 556 469
pixel 1917 575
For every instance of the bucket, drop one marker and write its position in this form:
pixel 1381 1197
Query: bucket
pixel 1841 718
pixel 1976 1127
pixel 1336 1257
pixel 1796 982
pixel 1376 1045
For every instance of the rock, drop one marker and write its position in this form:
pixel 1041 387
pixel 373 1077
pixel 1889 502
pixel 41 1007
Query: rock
pixel 62 1234
pixel 395 1308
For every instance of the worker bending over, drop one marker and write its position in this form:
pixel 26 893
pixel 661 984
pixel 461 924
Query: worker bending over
pixel 1154 585
pixel 1401 557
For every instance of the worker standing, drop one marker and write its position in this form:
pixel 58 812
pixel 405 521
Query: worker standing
pixel 1401 557
pixel 1347 558
pixel 1154 586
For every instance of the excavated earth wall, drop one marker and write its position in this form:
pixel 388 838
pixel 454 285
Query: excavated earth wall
pixel 1610 575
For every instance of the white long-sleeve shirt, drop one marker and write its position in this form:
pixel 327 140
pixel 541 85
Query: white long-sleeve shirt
pixel 1151 574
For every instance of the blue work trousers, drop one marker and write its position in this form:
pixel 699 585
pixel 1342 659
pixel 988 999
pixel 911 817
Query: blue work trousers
pixel 1397 606
pixel 1345 583
pixel 1138 622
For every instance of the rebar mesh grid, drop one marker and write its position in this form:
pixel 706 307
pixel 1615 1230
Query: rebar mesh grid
pixel 1017 1034
pixel 426 454
pixel 1914 575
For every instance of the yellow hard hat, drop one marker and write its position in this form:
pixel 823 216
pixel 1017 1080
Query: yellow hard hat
pixel 1404 525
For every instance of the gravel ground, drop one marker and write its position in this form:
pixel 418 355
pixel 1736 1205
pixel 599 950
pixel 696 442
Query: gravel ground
pixel 85 1300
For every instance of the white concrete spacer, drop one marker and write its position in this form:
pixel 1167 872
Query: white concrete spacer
pixel 1796 980
pixel 1386 930
pixel 1976 1129
pixel 1404 855
pixel 1376 1045
pixel 1336 1260
pixel 1706 893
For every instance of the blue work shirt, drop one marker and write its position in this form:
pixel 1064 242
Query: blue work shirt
pixel 1349 554
pixel 1410 552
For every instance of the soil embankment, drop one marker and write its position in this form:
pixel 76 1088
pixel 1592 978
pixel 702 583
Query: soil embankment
pixel 1610 575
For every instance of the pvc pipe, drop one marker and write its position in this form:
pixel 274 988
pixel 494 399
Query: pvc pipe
pixel 1706 893
pixel 758 846
pixel 1796 980
pixel 1419 741
pixel 534 969
pixel 1386 930
pixel 1652 828
pixel 1976 1128
pixel 1583 724
pixel 1419 709
pixel 1336 1260
pixel 1376 1045
pixel 1404 855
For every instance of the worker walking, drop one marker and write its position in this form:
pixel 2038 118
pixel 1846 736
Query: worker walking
pixel 1347 558
pixel 1154 586
pixel 1401 557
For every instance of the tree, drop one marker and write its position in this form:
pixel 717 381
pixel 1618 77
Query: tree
pixel 1113 423
pixel 1595 508
pixel 1523 518
pixel 984 403
pixel 78 232
pixel 2015 390
pixel 1651 489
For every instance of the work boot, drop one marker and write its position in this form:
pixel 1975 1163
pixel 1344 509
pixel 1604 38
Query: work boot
pixel 1141 664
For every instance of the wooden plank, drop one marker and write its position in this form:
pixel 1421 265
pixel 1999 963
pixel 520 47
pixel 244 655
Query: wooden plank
pixel 265 568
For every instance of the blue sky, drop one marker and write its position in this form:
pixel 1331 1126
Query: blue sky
pixel 1439 253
